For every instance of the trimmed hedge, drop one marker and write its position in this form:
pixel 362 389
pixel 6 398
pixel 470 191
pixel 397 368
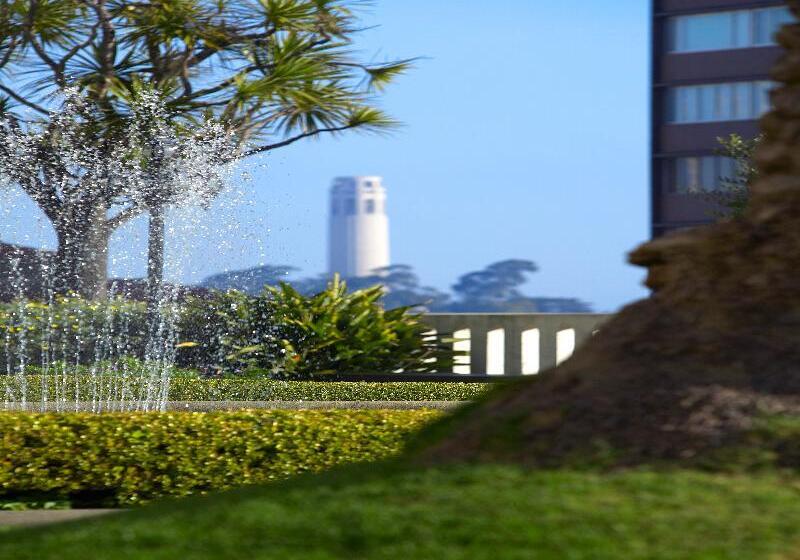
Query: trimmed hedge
pixel 253 389
pixel 129 458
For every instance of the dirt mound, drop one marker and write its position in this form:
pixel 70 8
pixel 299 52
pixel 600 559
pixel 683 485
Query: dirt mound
pixel 691 367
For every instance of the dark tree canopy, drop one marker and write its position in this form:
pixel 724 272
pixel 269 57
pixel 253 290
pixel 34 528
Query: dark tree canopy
pixel 496 283
pixel 250 281
pixel 403 288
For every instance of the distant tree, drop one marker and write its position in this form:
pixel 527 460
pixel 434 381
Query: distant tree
pixel 497 289
pixel 494 289
pixel 250 281
pixel 401 285
pixel 402 288
pixel 495 284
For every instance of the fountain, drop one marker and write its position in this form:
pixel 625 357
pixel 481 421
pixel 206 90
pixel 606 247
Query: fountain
pixel 93 345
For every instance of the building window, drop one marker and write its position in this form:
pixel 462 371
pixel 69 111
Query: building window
pixel 369 206
pixel 334 207
pixel 726 30
pixel 718 102
pixel 350 207
pixel 700 174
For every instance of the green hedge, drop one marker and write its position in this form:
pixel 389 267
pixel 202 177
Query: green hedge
pixel 254 389
pixel 119 459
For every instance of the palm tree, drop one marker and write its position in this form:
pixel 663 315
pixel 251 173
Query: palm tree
pixel 271 72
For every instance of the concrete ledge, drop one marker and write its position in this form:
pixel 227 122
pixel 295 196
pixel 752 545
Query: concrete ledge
pixel 33 517
pixel 207 406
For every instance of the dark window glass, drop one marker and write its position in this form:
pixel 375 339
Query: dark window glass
pixel 709 32
pixel 743 29
pixel 762 97
pixel 369 206
pixel 724 109
pixel 700 174
pixel 743 101
pixel 706 94
pixel 718 102
pixel 726 30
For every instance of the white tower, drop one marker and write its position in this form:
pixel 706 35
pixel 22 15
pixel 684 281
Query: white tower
pixel 358 241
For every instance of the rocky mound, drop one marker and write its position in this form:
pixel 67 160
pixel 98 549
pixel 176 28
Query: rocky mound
pixel 689 370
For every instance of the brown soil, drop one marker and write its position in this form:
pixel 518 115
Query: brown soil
pixel 689 368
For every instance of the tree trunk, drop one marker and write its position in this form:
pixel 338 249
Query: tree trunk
pixel 689 368
pixel 81 260
pixel 155 258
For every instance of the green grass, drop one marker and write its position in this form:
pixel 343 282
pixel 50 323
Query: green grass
pixel 185 388
pixel 467 512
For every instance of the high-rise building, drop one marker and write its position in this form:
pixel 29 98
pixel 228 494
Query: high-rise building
pixel 358 242
pixel 711 62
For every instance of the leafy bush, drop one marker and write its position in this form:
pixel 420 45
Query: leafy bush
pixel 70 328
pixel 339 332
pixel 279 332
pixel 135 457
pixel 183 387
pixel 212 328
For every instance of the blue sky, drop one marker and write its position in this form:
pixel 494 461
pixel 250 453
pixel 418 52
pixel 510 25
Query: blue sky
pixel 525 137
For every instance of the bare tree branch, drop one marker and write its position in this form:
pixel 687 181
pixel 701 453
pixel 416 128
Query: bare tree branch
pixel 43 195
pixel 124 216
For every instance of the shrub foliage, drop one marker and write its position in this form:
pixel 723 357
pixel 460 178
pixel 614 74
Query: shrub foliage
pixel 280 332
pixel 185 388
pixel 70 328
pixel 284 332
pixel 345 332
pixel 118 459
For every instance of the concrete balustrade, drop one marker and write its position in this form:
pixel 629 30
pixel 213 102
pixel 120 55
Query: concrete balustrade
pixel 514 343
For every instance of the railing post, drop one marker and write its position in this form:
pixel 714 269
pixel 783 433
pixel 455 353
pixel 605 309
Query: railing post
pixel 582 334
pixel 477 352
pixel 548 351
pixel 513 349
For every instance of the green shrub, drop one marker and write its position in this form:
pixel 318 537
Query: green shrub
pixel 212 328
pixel 267 389
pixel 281 332
pixel 183 387
pixel 70 328
pixel 339 332
pixel 134 457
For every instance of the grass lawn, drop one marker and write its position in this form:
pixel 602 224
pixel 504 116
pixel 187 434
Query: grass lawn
pixel 469 512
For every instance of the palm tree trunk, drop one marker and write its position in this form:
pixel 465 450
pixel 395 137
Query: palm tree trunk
pixel 155 256
pixel 81 260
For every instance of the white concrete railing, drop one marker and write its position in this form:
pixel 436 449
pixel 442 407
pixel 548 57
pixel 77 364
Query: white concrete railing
pixel 514 343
